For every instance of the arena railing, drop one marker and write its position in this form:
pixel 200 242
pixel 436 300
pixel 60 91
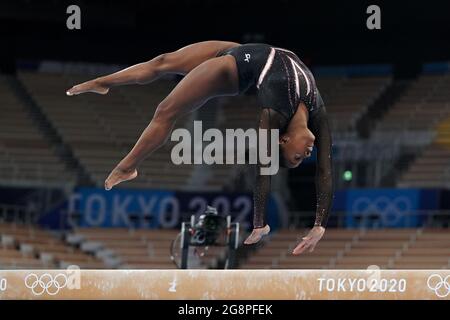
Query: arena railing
pixel 297 219
pixel 15 214
pixel 342 219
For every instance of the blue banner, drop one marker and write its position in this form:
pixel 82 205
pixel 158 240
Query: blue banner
pixel 125 208
pixel 161 209
pixel 388 207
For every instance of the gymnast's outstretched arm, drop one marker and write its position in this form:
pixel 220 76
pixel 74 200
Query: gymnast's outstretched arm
pixel 324 181
pixel 269 119
pixel 181 62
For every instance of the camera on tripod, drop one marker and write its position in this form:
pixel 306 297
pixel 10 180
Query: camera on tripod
pixel 208 229
pixel 211 229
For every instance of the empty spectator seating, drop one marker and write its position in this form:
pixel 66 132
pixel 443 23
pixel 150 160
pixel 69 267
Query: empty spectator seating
pixel 430 250
pixel 30 247
pixel 25 155
pixel 348 98
pixel 100 130
pixel 430 169
pixel 357 249
pixel 424 104
pixel 144 249
pixel 423 110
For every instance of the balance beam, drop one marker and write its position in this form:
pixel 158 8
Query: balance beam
pixel 225 284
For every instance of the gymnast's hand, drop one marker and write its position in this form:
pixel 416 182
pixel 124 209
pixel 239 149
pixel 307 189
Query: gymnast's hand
pixel 119 175
pixel 309 242
pixel 89 86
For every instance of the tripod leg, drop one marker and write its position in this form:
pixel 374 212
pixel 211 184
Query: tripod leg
pixel 185 240
pixel 233 242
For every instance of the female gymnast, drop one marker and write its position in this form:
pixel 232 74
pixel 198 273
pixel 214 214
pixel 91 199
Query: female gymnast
pixel 289 100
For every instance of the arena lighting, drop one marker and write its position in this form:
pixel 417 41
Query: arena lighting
pixel 347 175
pixel 226 284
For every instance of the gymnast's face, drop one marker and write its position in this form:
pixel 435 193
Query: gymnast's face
pixel 296 147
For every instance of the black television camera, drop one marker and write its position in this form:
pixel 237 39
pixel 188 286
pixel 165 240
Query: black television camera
pixel 208 229
pixel 211 229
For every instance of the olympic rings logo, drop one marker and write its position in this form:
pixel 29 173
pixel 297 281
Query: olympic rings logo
pixel 46 283
pixel 440 285
pixel 391 210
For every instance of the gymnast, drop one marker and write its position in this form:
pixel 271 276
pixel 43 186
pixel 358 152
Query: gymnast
pixel 289 101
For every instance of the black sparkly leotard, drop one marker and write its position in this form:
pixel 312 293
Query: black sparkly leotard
pixel 282 81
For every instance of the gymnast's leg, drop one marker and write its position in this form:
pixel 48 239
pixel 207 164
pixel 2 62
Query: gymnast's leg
pixel 213 78
pixel 181 62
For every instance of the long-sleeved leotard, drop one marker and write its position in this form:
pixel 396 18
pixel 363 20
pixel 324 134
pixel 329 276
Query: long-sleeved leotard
pixel 282 82
pixel 319 126
pixel 269 119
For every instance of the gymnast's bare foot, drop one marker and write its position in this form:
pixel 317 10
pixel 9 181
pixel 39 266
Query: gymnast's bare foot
pixel 257 234
pixel 89 86
pixel 119 175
